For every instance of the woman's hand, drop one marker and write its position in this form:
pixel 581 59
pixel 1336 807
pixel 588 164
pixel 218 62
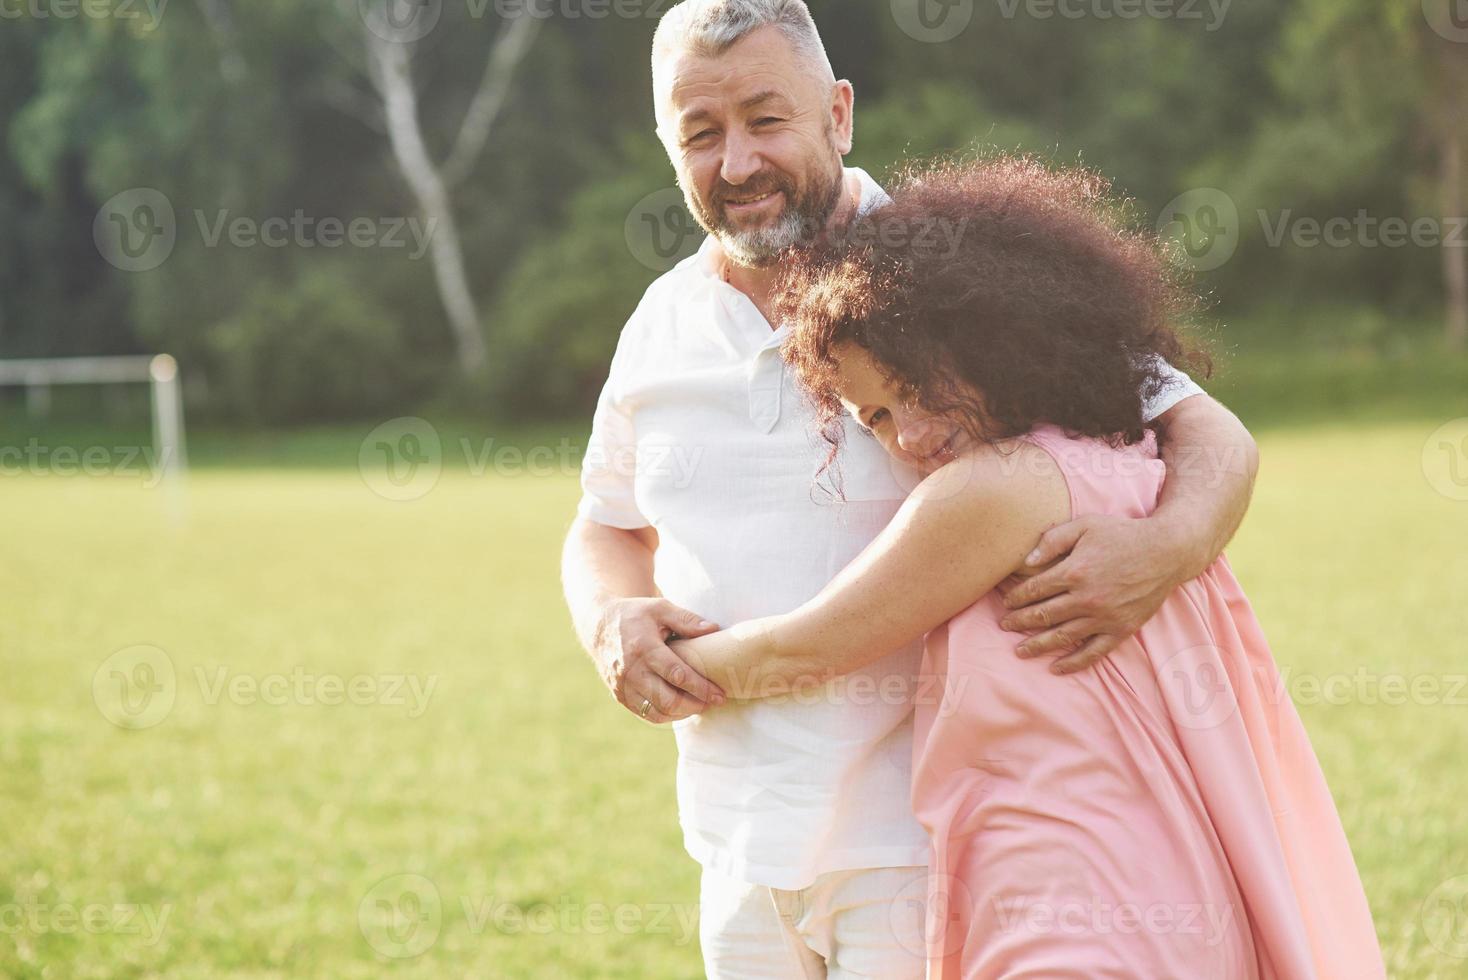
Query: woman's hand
pixel 742 661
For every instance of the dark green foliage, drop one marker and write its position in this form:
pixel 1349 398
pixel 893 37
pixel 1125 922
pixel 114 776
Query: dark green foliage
pixel 1299 108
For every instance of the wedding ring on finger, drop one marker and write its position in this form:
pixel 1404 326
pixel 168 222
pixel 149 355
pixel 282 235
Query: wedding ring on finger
pixel 644 709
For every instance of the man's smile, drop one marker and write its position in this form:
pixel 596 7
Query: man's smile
pixel 752 202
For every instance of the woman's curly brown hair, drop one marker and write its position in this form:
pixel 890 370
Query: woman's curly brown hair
pixel 1005 278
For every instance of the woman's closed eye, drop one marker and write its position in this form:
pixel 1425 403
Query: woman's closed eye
pixel 875 419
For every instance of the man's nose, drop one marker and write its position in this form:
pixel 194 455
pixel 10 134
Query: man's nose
pixel 741 159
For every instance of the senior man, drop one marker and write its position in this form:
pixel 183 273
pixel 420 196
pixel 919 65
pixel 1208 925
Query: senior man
pixel 797 808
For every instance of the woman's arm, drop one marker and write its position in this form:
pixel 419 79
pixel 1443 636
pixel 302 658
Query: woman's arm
pixel 963 530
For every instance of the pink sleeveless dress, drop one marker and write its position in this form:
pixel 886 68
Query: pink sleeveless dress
pixel 1159 816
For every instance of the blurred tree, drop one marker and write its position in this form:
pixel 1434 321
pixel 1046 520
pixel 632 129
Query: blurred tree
pixel 389 33
pixel 1376 92
pixel 52 299
pixel 564 301
pixel 276 108
pixel 278 342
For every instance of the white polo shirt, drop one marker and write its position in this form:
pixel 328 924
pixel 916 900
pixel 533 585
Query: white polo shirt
pixel 702 434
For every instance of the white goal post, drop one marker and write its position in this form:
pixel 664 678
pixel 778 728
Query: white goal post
pixel 160 372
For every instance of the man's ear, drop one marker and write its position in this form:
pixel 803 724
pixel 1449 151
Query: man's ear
pixel 843 96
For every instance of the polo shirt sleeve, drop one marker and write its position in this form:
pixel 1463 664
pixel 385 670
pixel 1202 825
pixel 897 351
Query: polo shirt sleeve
pixel 1176 386
pixel 608 470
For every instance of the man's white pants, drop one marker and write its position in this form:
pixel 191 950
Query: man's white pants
pixel 847 924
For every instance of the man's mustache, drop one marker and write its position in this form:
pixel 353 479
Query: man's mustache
pixel 751 188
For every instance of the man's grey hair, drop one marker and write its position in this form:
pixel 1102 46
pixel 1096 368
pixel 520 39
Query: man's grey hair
pixel 710 27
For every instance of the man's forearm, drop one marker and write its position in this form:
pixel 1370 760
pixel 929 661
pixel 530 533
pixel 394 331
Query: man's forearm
pixel 1211 464
pixel 599 564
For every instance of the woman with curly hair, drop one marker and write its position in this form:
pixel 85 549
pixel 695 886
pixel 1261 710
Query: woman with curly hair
pixel 1160 815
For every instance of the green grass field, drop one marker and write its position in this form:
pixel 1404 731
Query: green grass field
pixel 249 830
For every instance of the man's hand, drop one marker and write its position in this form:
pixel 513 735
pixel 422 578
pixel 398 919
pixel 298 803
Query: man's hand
pixel 1111 574
pixel 1108 576
pixel 631 650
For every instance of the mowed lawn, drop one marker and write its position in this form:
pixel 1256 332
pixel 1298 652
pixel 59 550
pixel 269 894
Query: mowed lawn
pixel 468 801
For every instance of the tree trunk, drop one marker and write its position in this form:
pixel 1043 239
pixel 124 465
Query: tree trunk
pixel 510 47
pixel 390 67
pixel 220 18
pixel 1451 123
pixel 391 71
pixel 1455 260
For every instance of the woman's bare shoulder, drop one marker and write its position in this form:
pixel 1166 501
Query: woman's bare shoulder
pixel 1014 482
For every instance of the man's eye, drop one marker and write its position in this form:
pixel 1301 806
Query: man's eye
pixel 767 120
pixel 698 137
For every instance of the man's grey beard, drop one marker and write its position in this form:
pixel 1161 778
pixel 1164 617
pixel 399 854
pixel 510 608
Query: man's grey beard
pixel 800 223
pixel 761 247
